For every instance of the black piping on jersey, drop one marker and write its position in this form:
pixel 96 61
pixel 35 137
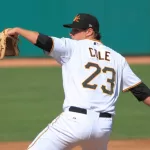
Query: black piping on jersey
pixel 141 91
pixel 45 42
pixel 127 89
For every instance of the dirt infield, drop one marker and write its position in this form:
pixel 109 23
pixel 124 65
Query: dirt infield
pixel 36 62
pixel 113 145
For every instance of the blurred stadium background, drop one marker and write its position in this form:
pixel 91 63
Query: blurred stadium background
pixel 124 24
pixel 32 97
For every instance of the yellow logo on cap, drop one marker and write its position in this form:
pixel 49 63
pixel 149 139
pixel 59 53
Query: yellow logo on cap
pixel 77 18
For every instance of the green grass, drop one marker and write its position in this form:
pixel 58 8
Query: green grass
pixel 30 98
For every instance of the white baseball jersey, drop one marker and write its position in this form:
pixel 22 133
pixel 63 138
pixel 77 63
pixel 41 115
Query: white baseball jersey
pixel 93 74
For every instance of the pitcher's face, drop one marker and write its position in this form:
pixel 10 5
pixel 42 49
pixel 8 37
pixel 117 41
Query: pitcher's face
pixel 80 34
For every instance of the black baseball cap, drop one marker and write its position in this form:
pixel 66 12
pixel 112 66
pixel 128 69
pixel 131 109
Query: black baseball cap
pixel 84 21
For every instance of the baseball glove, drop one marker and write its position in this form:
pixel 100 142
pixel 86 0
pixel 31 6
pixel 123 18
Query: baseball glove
pixel 8 45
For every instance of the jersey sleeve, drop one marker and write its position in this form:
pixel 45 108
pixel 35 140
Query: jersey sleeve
pixel 62 49
pixel 129 78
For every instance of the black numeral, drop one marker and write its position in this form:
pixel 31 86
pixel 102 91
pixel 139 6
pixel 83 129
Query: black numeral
pixel 92 76
pixel 111 81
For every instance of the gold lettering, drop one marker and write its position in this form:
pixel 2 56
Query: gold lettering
pixel 92 55
pixel 107 56
pixel 99 56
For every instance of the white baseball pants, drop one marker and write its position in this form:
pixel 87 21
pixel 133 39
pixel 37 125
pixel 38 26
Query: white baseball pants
pixel 70 129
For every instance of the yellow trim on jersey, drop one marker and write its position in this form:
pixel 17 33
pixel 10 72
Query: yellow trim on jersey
pixel 37 139
pixel 132 86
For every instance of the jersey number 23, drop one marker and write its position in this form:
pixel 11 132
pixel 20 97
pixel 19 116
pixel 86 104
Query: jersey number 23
pixel 98 71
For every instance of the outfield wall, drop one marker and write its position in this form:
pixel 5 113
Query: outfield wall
pixel 124 24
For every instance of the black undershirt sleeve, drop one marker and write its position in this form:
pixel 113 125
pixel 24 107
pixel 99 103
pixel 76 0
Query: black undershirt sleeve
pixel 44 42
pixel 141 91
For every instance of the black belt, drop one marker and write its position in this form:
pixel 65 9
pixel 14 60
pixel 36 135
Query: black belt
pixel 84 111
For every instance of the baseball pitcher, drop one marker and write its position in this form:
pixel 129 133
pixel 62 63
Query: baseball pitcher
pixel 93 76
